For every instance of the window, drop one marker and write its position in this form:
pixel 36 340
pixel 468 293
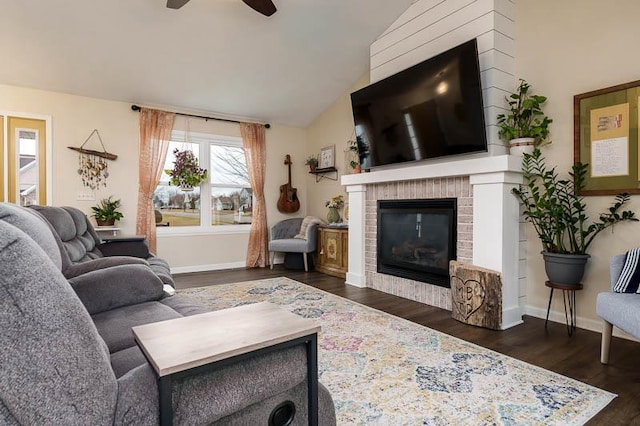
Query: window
pixel 225 201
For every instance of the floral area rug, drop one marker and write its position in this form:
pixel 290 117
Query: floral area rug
pixel 384 370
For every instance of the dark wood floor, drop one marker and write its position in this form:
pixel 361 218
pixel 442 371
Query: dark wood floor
pixel 577 357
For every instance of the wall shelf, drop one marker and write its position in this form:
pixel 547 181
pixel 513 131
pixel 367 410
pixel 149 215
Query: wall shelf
pixel 326 173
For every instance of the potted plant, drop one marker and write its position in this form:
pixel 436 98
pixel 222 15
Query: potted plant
pixel 334 204
pixel 186 172
pixel 106 212
pixel 559 216
pixel 525 126
pixel 312 162
pixel 354 163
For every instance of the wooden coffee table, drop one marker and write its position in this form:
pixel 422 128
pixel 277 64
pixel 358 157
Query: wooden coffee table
pixel 196 344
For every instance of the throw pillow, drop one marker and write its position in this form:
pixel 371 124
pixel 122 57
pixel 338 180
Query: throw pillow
pixel 629 279
pixel 306 222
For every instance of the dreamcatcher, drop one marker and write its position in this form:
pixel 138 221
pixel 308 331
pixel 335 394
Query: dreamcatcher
pixel 93 166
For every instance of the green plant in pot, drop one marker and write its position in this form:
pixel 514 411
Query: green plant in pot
pixel 106 212
pixel 525 126
pixel 559 216
pixel 312 162
pixel 186 172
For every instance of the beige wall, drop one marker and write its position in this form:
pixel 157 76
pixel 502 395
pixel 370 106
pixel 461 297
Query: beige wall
pixel 564 48
pixel 333 126
pixel 75 117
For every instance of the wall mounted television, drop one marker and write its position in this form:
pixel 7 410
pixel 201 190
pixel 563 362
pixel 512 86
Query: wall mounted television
pixel 430 110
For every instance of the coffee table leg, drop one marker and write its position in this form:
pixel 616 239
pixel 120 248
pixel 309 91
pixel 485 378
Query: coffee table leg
pixel 312 378
pixel 166 403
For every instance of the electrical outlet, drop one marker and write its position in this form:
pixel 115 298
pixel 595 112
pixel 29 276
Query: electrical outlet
pixel 85 196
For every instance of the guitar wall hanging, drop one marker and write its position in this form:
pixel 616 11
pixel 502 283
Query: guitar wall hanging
pixel 288 201
pixel 93 166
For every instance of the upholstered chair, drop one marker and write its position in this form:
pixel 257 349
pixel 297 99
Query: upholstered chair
pixel 298 235
pixel 617 309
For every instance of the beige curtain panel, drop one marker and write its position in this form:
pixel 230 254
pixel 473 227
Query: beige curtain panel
pixel 155 134
pixel 253 139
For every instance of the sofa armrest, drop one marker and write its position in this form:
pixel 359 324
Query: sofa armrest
pixel 81 268
pixel 105 289
pixel 133 247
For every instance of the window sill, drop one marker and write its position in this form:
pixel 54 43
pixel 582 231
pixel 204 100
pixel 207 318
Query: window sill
pixel 186 231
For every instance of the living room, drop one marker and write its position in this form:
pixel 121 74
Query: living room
pixel 561 48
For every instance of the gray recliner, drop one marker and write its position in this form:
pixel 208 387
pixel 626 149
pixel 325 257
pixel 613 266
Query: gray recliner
pixel 82 245
pixel 67 353
pixel 619 309
pixel 281 239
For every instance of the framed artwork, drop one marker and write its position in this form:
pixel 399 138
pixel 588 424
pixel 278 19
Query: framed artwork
pixel 327 157
pixel 606 138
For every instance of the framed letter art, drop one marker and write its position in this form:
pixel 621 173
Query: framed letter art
pixel 606 138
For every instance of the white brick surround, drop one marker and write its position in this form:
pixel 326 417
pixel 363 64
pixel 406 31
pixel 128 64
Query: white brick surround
pixel 488 223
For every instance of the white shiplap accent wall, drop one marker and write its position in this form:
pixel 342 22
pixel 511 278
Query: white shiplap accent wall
pixel 430 27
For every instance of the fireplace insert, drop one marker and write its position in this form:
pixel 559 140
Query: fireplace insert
pixel 417 239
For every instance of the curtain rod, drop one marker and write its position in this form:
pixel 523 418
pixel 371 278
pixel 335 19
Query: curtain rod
pixel 266 126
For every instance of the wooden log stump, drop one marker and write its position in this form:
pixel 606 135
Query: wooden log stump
pixel 476 295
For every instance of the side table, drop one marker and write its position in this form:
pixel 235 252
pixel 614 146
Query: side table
pixel 196 344
pixel 569 300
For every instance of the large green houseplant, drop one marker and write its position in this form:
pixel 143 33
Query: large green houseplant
pixel 525 126
pixel 559 214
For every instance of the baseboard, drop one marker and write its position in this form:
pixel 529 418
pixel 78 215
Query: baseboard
pixel 581 322
pixel 205 268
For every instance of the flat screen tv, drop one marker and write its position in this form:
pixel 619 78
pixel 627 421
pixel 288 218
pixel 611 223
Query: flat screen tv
pixel 430 110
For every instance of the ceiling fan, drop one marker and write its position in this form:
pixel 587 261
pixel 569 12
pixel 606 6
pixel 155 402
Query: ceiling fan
pixel 266 7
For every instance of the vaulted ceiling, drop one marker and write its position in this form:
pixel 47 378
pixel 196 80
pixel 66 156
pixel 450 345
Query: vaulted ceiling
pixel 213 56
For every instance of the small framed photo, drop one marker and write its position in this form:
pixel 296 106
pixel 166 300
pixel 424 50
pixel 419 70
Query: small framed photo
pixel 327 157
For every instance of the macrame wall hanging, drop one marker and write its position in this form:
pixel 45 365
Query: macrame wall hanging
pixel 93 166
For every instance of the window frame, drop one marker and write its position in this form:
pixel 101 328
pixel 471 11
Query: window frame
pixel 204 142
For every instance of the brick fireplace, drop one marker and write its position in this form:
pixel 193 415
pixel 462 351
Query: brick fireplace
pixel 488 224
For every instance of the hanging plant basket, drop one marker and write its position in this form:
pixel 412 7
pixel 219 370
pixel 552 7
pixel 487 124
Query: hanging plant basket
pixel 186 172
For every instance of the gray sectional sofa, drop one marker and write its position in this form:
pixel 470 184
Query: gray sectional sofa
pixel 68 356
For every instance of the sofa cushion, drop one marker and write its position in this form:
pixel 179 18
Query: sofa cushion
pixel 115 325
pixel 53 364
pixel 78 240
pixel 122 285
pixel 126 360
pixel 36 227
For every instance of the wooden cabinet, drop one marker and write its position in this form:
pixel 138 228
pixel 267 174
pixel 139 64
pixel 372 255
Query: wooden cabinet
pixel 333 248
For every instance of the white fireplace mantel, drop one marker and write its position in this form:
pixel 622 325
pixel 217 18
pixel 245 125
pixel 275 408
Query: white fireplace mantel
pixel 496 217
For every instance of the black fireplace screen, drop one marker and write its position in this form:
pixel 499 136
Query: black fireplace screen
pixel 417 239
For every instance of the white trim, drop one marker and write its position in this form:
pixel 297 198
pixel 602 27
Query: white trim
pixel 187 231
pixel 205 268
pixel 581 322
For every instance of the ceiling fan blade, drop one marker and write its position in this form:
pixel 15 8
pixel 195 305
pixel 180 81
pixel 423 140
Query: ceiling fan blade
pixel 266 7
pixel 176 4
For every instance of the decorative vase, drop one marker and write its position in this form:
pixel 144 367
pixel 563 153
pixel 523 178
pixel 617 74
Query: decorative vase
pixel 313 168
pixel 565 268
pixel 333 216
pixel 186 187
pixel 521 146
pixel 110 222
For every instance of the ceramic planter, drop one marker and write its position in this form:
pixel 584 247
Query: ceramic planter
pixel 565 268
pixel 521 146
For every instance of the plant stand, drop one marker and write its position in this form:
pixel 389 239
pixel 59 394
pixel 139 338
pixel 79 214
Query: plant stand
pixel 569 298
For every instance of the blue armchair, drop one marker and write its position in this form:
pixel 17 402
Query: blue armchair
pixel 619 309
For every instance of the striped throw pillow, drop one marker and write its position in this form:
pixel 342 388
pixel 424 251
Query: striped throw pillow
pixel 629 279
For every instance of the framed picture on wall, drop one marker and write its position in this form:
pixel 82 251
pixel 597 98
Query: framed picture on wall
pixel 606 138
pixel 327 157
